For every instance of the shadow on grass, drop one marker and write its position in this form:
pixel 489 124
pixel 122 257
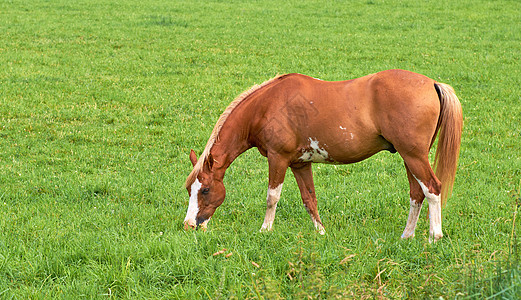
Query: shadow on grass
pixel 504 282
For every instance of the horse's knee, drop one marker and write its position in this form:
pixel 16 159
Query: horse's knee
pixel 271 202
pixel 273 196
pixel 430 187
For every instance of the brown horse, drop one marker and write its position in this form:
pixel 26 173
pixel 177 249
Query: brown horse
pixel 295 120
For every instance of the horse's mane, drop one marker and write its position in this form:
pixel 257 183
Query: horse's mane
pixel 220 122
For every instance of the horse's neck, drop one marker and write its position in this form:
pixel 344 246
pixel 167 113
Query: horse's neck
pixel 232 142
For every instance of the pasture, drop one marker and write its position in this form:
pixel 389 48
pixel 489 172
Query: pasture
pixel 101 102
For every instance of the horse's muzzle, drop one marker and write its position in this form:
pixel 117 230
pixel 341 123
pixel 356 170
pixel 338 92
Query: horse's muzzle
pixel 199 223
pixel 189 225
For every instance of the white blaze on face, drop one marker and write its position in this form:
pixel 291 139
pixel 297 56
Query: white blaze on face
pixel 315 154
pixel 193 205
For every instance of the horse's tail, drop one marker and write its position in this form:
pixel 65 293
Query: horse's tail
pixel 450 124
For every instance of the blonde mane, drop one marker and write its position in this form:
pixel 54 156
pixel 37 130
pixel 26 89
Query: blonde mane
pixel 217 128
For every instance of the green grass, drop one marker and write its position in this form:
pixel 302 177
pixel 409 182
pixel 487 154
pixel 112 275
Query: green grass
pixel 101 102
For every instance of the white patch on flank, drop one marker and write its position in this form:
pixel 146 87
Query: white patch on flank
pixel 193 205
pixel 414 213
pixel 271 206
pixel 435 232
pixel 351 135
pixel 315 154
pixel 317 78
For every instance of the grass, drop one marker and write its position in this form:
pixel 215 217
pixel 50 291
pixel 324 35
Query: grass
pixel 101 102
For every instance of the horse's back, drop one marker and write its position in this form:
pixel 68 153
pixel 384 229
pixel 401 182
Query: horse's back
pixel 349 120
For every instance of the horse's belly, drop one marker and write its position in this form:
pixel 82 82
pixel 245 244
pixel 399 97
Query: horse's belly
pixel 341 150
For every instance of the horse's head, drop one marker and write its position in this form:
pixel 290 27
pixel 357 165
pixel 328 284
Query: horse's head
pixel 206 193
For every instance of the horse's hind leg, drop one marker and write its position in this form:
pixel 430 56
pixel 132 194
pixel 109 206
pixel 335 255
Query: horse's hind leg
pixel 422 172
pixel 277 172
pixel 416 198
pixel 304 177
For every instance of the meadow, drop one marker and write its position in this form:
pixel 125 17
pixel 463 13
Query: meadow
pixel 101 102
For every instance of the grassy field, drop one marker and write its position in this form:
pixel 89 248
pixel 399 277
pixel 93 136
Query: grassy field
pixel 101 102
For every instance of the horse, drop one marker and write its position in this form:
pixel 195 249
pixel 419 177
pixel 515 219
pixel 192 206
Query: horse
pixel 295 120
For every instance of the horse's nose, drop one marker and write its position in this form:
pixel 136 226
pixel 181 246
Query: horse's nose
pixel 189 226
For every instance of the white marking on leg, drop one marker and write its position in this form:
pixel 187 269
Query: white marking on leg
pixel 343 128
pixel 414 213
pixel 435 232
pixel 271 206
pixel 193 205
pixel 318 226
pixel 315 154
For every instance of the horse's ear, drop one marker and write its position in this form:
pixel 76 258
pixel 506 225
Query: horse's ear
pixel 208 163
pixel 193 157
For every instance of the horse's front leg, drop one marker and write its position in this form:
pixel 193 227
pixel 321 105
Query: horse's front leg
pixel 277 172
pixel 271 206
pixel 304 177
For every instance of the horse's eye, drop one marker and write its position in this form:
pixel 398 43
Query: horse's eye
pixel 205 191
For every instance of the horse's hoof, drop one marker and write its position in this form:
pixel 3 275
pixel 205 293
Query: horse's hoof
pixel 436 237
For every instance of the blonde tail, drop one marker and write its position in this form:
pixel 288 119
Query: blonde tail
pixel 450 125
